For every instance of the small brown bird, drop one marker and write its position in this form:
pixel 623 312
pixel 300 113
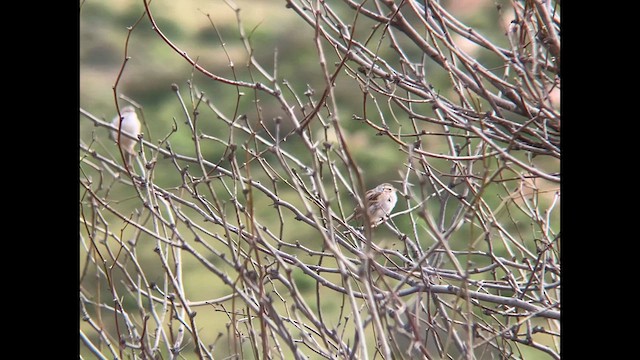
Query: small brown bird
pixel 130 125
pixel 379 202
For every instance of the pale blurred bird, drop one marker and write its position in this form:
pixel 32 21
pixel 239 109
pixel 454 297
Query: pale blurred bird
pixel 379 202
pixel 130 125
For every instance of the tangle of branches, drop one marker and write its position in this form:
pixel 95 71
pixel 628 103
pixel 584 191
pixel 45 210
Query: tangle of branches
pixel 253 253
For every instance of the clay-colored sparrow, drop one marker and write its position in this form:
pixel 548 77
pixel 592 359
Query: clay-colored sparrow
pixel 379 202
pixel 130 125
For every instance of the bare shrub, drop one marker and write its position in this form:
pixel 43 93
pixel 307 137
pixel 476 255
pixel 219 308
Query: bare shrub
pixel 229 235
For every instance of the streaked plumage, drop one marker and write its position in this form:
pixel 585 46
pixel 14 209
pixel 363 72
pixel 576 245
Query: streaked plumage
pixel 379 201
